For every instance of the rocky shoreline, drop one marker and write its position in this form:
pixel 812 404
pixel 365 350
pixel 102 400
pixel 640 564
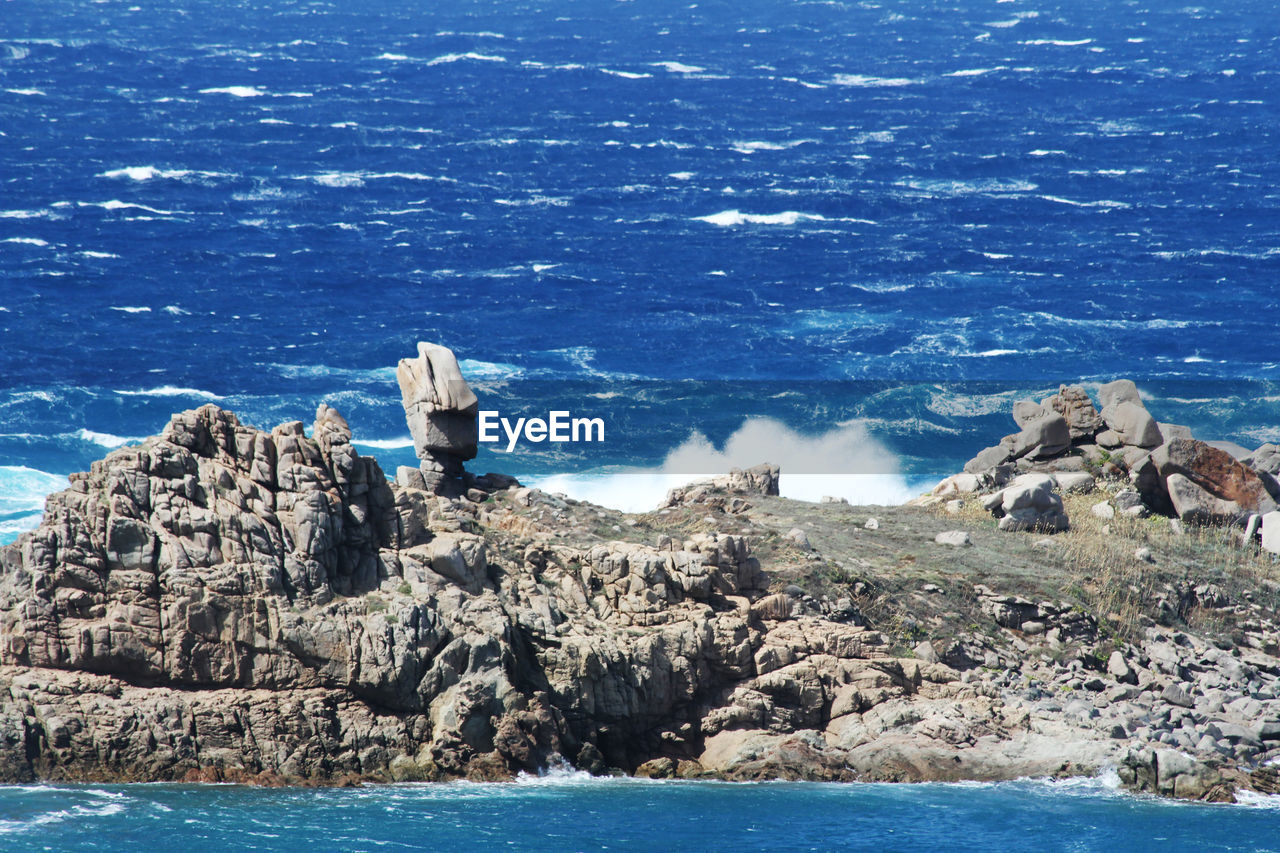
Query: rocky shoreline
pixel 220 603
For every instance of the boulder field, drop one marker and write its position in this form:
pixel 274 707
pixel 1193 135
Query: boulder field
pixel 220 603
pixel 1064 442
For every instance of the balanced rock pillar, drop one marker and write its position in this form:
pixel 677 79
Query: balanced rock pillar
pixel 441 410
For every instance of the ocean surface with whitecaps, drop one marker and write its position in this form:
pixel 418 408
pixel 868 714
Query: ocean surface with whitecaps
pixel 573 812
pixel 842 236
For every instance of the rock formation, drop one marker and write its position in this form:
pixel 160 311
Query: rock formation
pixel 223 603
pixel 1170 472
pixel 441 410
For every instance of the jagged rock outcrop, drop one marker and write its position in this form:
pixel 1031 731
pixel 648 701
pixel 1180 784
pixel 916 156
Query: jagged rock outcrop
pixel 441 410
pixel 223 603
pixel 220 602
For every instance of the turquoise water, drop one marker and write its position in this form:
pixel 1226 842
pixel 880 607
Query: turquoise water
pixel 571 812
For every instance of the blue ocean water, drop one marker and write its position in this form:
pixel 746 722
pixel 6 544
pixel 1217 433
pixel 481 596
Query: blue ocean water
pixel 878 222
pixel 577 814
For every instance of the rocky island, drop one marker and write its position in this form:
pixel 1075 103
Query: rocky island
pixel 1096 591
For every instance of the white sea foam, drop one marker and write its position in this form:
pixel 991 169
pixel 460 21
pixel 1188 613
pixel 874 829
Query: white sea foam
pixel 116 204
pixel 175 311
pixel 1058 42
pixel 25 91
pixel 629 75
pixel 479 34
pixel 90 253
pixel 105 439
pixel 534 201
pixel 26 214
pixel 338 179
pixel 753 147
pixel 131 309
pixel 136 173
pixel 679 67
pixel 234 91
pixel 458 57
pixel 731 218
pixel 867 81
pixel 148 173
pixel 843 462
pixel 384 443
pixel 995 186
pixel 23 489
pixel 22 494
pixel 564 66
pixel 393 57
pixel 30 241
pixel 974 72
pixel 477 371
pixel 681 176
pixel 1047 152
pixel 75 813
pixel 170 391
pixel 1102 203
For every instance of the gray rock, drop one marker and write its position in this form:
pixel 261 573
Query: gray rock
pixel 1029 503
pixel 1119 391
pixel 1103 510
pixel 987 459
pixel 957 538
pixel 1075 482
pixel 1172 431
pixel 441 411
pixel 1119 669
pixel 798 537
pixel 1026 411
pixel 1109 439
pixel 1132 424
pixel 1174 694
pixel 1073 403
pixel 926 652
pixel 1271 532
pixel 1041 437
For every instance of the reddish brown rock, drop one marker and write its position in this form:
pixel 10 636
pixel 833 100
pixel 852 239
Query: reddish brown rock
pixel 1216 472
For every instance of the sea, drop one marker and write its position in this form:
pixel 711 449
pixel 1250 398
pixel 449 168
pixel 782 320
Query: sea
pixel 843 237
pixel 573 812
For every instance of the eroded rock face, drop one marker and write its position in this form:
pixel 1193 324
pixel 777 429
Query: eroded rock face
pixel 221 602
pixel 441 410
